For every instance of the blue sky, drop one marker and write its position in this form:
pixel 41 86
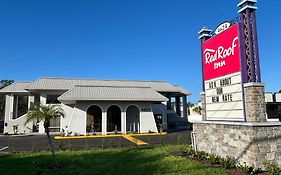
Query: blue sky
pixel 124 39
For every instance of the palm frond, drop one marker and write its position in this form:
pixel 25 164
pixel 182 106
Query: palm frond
pixel 43 113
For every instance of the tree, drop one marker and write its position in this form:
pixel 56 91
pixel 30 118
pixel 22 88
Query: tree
pixel 3 83
pixel 44 113
pixel 189 104
pixel 198 110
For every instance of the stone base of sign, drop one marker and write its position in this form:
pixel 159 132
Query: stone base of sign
pixel 255 106
pixel 249 142
pixel 203 103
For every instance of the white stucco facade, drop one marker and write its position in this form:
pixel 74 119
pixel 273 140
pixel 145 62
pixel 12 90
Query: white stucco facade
pixel 102 109
pixel 75 116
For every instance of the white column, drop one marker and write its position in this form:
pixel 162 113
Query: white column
pixel 8 106
pixel 41 127
pixel 11 111
pixel 30 100
pixel 140 120
pixel 104 123
pixel 123 122
pixel 43 99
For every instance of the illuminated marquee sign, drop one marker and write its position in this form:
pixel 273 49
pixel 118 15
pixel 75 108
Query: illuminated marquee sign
pixel 222 76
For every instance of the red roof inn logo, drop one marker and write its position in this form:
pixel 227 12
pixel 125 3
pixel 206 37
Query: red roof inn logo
pixel 222 54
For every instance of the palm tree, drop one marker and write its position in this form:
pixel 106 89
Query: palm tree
pixel 43 113
pixel 198 110
pixel 189 104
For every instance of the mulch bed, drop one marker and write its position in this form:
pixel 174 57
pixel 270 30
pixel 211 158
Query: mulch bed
pixel 231 171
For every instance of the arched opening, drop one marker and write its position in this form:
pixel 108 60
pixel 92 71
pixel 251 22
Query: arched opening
pixel 133 119
pixel 94 118
pixel 114 119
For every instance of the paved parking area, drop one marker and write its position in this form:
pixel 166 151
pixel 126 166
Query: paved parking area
pixel 40 143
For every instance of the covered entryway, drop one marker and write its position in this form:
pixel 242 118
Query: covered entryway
pixel 114 119
pixel 94 118
pixel 158 112
pixel 133 119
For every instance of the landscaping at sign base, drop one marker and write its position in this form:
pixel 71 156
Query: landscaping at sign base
pixel 145 160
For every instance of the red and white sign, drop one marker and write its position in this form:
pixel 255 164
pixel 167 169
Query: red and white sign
pixel 222 54
pixel 222 76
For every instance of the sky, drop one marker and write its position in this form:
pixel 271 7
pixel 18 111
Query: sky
pixel 124 39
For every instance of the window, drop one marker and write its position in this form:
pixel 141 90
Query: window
pixel 273 111
pixel 20 106
pixel 55 124
pixel 35 102
pixel 52 99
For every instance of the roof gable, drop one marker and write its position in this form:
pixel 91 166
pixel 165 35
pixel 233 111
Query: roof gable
pixel 111 93
pixel 17 87
pixel 66 84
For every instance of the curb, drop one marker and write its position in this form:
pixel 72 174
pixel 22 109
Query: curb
pixel 107 136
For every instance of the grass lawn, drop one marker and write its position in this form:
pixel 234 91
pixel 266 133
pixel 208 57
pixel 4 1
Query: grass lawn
pixel 144 161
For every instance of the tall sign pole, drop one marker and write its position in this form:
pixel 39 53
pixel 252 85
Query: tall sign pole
pixel 251 67
pixel 204 34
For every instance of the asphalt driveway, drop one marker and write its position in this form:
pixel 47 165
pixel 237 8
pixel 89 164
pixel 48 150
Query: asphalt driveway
pixel 40 143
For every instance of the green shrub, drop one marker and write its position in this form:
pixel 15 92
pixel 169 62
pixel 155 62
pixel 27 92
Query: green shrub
pixel 213 158
pixel 189 150
pixel 201 155
pixel 247 169
pixel 272 168
pixel 184 148
pixel 228 162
